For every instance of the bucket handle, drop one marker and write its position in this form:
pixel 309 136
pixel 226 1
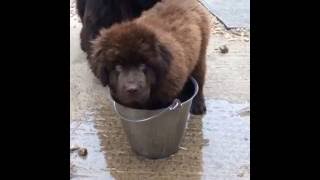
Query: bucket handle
pixel 176 104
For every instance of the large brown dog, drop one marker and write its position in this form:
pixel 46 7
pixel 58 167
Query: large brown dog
pixel 147 61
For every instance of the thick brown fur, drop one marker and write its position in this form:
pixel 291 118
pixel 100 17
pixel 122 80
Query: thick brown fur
pixel 171 38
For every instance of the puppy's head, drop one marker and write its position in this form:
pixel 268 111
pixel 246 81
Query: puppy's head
pixel 131 60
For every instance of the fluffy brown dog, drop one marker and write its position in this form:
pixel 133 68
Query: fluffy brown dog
pixel 146 62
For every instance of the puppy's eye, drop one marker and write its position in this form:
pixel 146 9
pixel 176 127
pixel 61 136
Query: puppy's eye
pixel 143 67
pixel 118 68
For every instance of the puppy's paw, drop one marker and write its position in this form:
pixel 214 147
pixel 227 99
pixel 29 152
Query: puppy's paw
pixel 198 107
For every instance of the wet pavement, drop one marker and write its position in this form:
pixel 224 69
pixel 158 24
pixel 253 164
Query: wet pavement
pixel 215 146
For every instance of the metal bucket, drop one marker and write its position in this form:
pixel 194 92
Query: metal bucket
pixel 157 133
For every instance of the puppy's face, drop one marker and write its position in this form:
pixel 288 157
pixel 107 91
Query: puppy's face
pixel 131 60
pixel 131 84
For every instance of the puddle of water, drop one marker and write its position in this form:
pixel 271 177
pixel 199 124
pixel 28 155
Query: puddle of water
pixel 229 140
pixel 92 166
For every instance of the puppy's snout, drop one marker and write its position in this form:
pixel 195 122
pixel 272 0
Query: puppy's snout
pixel 132 89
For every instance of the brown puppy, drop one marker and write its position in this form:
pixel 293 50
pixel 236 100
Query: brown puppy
pixel 147 61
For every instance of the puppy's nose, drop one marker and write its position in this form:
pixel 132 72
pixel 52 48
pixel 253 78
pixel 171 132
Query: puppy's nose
pixel 132 89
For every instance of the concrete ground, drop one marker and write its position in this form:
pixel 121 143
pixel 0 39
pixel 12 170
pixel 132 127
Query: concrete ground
pixel 232 13
pixel 215 146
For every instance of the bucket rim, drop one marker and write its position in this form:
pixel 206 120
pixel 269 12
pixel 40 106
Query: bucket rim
pixel 163 110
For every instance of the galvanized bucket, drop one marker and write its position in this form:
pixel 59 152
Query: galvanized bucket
pixel 157 133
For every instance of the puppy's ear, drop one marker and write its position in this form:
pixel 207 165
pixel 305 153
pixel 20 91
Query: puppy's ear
pixel 99 66
pixel 165 54
pixel 165 58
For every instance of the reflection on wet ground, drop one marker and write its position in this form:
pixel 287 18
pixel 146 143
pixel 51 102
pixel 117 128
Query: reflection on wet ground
pixel 215 146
